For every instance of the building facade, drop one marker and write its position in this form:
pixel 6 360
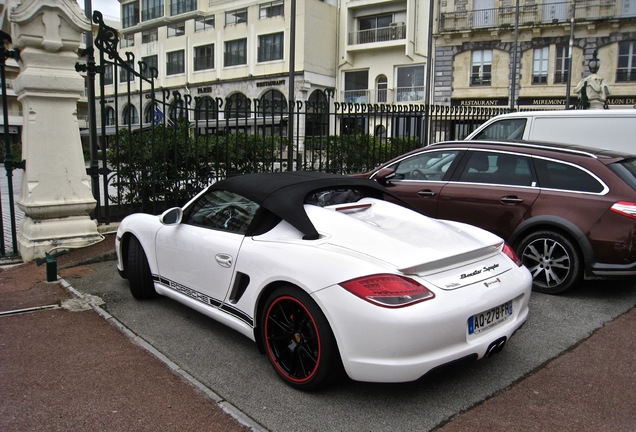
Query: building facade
pixel 231 49
pixel 14 108
pixel 382 51
pixel 382 59
pixel 475 52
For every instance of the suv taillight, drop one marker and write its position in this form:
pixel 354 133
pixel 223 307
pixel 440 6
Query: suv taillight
pixel 625 208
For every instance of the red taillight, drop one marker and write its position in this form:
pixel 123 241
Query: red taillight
pixel 388 290
pixel 625 208
pixel 507 250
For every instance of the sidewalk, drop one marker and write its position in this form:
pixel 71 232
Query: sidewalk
pixel 69 370
pixel 63 370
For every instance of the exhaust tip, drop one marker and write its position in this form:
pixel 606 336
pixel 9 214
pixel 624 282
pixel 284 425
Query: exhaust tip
pixel 496 347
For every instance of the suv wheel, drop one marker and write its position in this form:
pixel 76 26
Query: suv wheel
pixel 553 260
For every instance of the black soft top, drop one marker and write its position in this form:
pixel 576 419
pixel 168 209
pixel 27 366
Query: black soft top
pixel 285 193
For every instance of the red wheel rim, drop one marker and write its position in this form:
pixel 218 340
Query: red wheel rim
pixel 293 341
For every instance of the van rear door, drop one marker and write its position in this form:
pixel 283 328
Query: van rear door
pixel 503 129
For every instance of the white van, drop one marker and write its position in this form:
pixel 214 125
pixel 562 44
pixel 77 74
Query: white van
pixel 608 129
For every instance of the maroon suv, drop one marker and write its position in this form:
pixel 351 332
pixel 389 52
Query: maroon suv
pixel 568 211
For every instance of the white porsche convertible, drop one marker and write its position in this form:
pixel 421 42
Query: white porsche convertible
pixel 326 275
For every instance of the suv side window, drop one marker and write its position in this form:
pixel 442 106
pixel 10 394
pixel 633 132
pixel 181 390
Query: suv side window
pixel 497 168
pixel 626 170
pixel 430 165
pixel 507 129
pixel 558 175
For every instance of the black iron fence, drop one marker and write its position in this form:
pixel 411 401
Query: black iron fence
pixel 8 223
pixel 169 145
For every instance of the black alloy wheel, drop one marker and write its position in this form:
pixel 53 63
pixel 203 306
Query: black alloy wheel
pixel 299 342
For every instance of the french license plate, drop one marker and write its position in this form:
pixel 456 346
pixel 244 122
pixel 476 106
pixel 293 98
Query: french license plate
pixel 483 321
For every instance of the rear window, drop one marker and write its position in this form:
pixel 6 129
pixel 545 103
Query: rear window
pixel 331 197
pixel 507 129
pixel 626 170
pixel 558 175
pixel 497 168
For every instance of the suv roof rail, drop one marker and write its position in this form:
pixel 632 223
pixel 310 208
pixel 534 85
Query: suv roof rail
pixel 563 148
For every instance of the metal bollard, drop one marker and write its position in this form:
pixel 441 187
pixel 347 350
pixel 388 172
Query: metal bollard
pixel 51 265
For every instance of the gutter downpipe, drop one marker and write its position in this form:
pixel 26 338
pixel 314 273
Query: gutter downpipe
pixel 429 69
pixel 513 88
pixel 571 49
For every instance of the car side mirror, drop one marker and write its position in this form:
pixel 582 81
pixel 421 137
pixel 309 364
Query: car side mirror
pixel 172 216
pixel 384 175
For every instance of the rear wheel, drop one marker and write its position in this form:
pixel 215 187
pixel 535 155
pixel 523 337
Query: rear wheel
pixel 553 260
pixel 298 339
pixel 138 272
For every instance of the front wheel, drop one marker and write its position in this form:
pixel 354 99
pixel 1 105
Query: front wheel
pixel 138 271
pixel 553 260
pixel 298 340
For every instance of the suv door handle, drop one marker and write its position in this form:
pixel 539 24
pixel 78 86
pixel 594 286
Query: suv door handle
pixel 425 193
pixel 511 199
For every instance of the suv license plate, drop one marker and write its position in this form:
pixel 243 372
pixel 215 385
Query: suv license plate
pixel 483 321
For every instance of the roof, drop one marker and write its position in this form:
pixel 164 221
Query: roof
pixel 532 145
pixel 621 112
pixel 284 193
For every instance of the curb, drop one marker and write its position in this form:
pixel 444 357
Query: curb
pixel 95 303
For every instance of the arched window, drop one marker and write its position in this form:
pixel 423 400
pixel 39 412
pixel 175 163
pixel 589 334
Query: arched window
pixel 109 116
pixel 237 106
pixel 177 110
pixel 380 131
pixel 381 86
pixel 317 123
pixel 272 103
pixel 206 109
pixel 153 114
pixel 130 115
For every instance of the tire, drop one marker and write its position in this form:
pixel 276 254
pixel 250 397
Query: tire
pixel 298 340
pixel 553 260
pixel 138 272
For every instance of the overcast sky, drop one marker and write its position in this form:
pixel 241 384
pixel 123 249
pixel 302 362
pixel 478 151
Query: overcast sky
pixel 109 8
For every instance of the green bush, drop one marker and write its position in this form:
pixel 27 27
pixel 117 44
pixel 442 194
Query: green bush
pixel 347 154
pixel 169 165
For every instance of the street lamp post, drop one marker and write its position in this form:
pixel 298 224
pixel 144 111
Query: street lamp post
pixel 571 48
pixel 92 115
pixel 513 84
pixel 292 78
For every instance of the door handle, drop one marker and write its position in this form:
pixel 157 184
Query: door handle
pixel 511 200
pixel 224 260
pixel 425 193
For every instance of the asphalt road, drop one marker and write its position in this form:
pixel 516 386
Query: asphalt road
pixel 230 365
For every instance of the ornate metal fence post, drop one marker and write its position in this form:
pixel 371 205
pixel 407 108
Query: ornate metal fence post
pixel 9 164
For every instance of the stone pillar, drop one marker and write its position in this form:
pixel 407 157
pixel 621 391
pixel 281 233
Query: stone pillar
pixel 55 194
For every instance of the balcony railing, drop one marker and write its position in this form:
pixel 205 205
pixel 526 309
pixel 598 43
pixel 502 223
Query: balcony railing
pixel 357 96
pixel 395 31
pixel 381 96
pixel 409 94
pixel 541 13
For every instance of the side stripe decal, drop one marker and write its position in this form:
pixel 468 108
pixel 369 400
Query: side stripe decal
pixel 205 299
